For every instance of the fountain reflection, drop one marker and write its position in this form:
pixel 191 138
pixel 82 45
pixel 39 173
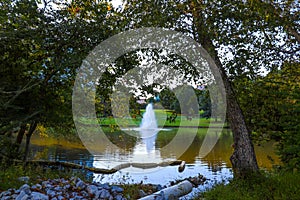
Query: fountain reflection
pixel 145 150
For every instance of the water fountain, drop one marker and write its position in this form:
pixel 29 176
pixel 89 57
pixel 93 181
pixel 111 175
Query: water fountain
pixel 149 128
pixel 149 121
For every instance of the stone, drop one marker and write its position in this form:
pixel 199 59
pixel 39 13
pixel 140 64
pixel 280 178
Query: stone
pixel 97 195
pixel 34 187
pixel 39 196
pixel 74 194
pixel 60 197
pixel 61 189
pixel 37 186
pixel 158 187
pixel 78 197
pixel 49 186
pixel 44 183
pixel 51 193
pixel 68 186
pixel 26 197
pixel 80 184
pixel 105 194
pixel 21 195
pixel 117 189
pixel 25 188
pixel 105 186
pixel 119 197
pixel 84 193
pixel 5 193
pixel 24 179
pixel 57 188
pixel 142 193
pixel 92 189
pixel 59 193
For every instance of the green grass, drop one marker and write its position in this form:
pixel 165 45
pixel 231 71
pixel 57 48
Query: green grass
pixel 266 186
pixel 161 116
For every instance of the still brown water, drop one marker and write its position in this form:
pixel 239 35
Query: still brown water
pixel 215 165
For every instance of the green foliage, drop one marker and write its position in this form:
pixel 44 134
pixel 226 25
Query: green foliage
pixel 8 149
pixel 205 104
pixel 272 109
pixel 265 186
pixel 43 49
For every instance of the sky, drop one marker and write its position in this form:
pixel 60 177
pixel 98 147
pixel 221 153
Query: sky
pixel 116 3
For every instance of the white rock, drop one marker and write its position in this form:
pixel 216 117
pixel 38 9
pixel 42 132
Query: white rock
pixel 39 196
pixel 92 189
pixel 105 194
pixel 80 184
pixel 21 195
pixel 5 193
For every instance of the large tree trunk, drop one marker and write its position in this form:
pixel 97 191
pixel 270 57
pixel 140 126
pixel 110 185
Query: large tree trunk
pixel 21 133
pixel 19 138
pixel 243 158
pixel 28 137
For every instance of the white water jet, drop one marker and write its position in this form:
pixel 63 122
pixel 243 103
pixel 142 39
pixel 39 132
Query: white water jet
pixel 149 120
pixel 149 128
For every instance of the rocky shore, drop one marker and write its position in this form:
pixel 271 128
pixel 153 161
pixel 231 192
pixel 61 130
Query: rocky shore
pixel 76 189
pixel 62 189
pixel 69 189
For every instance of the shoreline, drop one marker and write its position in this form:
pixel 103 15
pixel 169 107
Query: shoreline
pixel 75 188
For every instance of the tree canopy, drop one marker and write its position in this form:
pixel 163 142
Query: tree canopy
pixel 44 44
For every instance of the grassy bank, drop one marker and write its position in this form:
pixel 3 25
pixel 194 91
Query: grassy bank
pixel 267 186
pixel 161 117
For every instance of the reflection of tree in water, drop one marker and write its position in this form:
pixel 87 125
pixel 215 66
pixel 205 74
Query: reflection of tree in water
pixel 164 137
pixel 122 139
pixel 190 155
pixel 61 153
pixel 219 156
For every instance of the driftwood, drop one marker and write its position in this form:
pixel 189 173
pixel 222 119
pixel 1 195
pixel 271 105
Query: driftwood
pixel 178 189
pixel 173 192
pixel 102 170
pixel 99 170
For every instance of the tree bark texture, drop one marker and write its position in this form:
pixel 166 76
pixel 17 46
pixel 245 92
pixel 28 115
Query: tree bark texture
pixel 28 136
pixel 21 134
pixel 243 158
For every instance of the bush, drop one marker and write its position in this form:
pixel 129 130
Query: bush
pixel 265 186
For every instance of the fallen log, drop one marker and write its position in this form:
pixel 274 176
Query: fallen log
pixel 177 189
pixel 98 170
pixel 72 166
pixel 104 171
pixel 173 192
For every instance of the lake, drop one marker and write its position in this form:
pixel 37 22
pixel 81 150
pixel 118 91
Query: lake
pixel 215 165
